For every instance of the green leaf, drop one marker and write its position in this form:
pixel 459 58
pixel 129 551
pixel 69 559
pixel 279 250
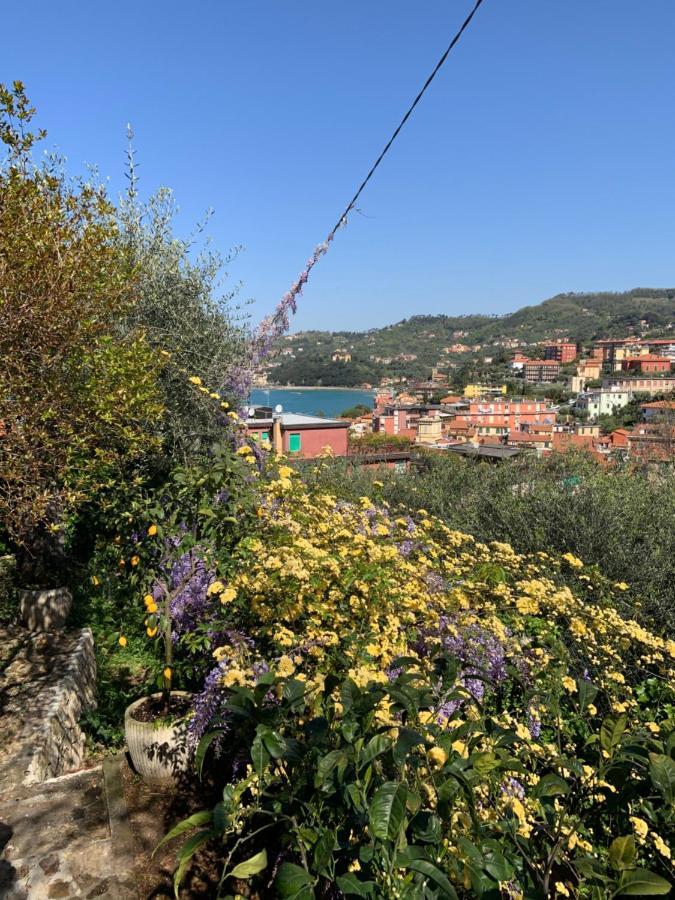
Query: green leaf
pixel 186 852
pixel 375 747
pixel 294 692
pixel 429 870
pixel 203 747
pixel 407 739
pixel 484 763
pixel 551 786
pixel 274 743
pixel 497 866
pixel 587 693
pixel 387 810
pixel 204 817
pixel 220 817
pixel 259 755
pixel 354 796
pixel 326 765
pixel 611 731
pixel 642 883
pixel 350 885
pixel 622 852
pixel 294 883
pixel 250 867
pixel 323 852
pixel 662 774
pixel 426 827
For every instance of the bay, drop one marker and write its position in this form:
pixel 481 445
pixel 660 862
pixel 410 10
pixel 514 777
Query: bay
pixel 328 402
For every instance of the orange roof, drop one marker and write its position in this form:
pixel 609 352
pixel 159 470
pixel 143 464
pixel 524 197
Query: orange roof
pixel 523 437
pixel 544 362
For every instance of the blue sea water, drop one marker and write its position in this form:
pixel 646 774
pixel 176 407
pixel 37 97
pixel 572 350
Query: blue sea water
pixel 312 402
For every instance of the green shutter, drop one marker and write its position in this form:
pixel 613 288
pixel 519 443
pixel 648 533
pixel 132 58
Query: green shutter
pixel 294 443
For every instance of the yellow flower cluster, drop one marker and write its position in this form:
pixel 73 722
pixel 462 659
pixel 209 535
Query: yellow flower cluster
pixel 327 579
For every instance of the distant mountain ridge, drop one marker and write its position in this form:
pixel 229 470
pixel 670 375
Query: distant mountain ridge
pixel 306 357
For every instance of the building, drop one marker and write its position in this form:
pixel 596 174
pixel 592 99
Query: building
pixel 342 356
pixel 499 416
pixel 561 351
pixel 642 385
pixel 646 364
pixel 518 361
pixel 603 401
pixel 658 411
pixel 297 435
pixel 539 441
pixel 429 429
pixel 483 390
pixel 652 442
pixel 541 371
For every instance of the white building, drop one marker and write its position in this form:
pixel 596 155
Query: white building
pixel 603 401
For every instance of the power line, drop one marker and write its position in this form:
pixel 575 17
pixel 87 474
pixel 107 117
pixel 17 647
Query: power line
pixel 405 118
pixel 278 322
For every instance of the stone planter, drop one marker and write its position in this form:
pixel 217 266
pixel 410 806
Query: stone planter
pixel 43 609
pixel 158 749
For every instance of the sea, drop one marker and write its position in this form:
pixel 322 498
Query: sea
pixel 329 402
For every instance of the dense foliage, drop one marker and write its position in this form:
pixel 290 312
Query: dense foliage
pixel 78 401
pixel 401 710
pixel 183 315
pixel 621 519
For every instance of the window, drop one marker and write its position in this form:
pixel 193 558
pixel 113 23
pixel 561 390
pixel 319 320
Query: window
pixel 264 435
pixel 294 443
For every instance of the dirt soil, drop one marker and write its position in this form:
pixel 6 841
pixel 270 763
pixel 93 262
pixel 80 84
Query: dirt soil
pixel 152 813
pixel 154 709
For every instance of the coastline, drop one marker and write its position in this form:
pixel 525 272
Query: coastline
pixel 310 387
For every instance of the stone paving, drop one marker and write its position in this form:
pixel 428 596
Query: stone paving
pixel 58 842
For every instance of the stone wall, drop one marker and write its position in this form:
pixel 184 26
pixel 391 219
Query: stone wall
pixel 47 683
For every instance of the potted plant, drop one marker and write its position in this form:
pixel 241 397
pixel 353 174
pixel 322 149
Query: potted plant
pixel 176 566
pixel 156 727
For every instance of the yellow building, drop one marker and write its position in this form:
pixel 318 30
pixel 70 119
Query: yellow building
pixel 473 391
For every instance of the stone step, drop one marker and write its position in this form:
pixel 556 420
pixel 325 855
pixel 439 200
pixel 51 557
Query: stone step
pixel 58 841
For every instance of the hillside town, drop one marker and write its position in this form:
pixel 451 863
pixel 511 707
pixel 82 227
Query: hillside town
pixel 612 399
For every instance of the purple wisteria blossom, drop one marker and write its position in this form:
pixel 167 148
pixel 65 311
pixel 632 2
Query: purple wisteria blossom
pixel 405 548
pixel 274 325
pixel 190 579
pixel 207 704
pixel 482 659
pixel 513 788
pixel 436 584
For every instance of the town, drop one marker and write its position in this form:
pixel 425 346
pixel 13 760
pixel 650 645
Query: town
pixel 614 403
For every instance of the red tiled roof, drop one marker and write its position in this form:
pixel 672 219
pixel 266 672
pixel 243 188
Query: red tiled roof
pixel 524 437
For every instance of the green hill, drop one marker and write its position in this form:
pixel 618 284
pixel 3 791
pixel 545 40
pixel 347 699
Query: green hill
pixel 306 357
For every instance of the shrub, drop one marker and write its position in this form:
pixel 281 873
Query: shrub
pixel 621 519
pixel 183 314
pixel 78 403
pixel 366 625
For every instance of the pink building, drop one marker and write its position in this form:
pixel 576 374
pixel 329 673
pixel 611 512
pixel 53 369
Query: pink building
pixel 300 436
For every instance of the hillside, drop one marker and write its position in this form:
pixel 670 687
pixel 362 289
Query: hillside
pixel 412 347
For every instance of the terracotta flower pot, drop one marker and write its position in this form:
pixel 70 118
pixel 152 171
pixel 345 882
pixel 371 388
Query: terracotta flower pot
pixel 158 748
pixel 45 609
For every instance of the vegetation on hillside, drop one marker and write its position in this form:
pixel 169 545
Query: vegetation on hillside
pixel 574 317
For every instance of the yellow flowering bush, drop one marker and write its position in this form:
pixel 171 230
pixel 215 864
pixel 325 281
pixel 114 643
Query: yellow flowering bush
pixel 420 712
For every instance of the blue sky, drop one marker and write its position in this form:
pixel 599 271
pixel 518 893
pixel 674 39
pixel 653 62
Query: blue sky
pixel 541 160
